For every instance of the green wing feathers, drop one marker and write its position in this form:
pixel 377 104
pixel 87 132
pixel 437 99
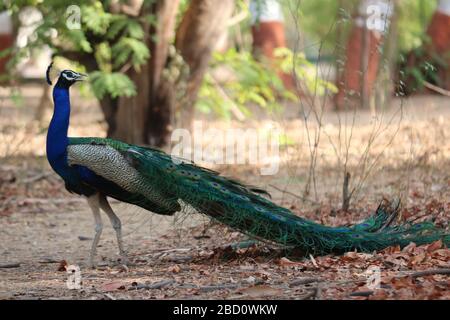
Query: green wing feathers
pixel 103 157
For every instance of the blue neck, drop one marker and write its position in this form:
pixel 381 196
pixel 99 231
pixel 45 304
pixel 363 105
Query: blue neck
pixel 57 140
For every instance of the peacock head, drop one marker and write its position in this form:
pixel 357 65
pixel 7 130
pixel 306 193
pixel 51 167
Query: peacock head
pixel 66 77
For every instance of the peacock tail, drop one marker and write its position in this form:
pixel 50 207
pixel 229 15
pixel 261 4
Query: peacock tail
pixel 158 182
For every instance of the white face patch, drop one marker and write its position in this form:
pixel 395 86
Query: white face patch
pixel 70 75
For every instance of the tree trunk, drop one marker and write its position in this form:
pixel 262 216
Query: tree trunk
pixel 142 119
pixel 196 38
pixel 131 111
pixel 109 107
pixel 438 31
pixel 147 117
pixel 356 85
pixel 161 93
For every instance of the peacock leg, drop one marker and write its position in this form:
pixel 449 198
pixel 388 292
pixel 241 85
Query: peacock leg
pixel 94 203
pixel 116 224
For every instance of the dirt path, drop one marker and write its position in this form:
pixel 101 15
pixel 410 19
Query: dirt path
pixel 42 225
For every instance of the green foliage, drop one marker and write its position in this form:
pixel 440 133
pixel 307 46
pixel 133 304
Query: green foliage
pixel 17 97
pixel 254 82
pixel 424 69
pixel 297 64
pixel 318 20
pixel 250 82
pixel 112 42
pixel 115 84
pixel 127 49
pixel 414 16
pixel 95 18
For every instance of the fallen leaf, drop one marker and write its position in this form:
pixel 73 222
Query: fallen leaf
pixel 418 259
pixel 434 246
pixel 410 248
pixel 352 255
pixel 313 261
pixel 63 265
pixel 404 282
pixel 390 250
pixel 397 260
pixel 285 262
pixel 444 253
pixel 260 291
pixel 112 286
pixel 349 256
pixel 175 269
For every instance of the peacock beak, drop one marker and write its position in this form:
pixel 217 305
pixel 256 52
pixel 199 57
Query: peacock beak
pixel 80 77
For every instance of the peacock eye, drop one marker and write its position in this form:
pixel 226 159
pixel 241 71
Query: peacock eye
pixel 171 167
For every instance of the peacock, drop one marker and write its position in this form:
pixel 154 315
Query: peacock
pixel 98 168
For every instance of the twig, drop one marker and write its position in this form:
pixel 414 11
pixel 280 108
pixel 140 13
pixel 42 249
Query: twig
pixel 237 18
pixel 303 281
pixel 176 250
pixel 314 262
pixel 9 265
pixel 429 272
pixel 178 258
pixel 218 287
pixel 395 210
pixel 49 260
pixel 293 194
pixel 37 177
pixel 436 89
pixel 233 107
pixel 156 285
pixel 240 245
pixel 83 238
pixel 361 294
pixel 109 296
pixel 346 195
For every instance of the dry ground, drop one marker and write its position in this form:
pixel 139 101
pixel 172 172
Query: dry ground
pixel 42 227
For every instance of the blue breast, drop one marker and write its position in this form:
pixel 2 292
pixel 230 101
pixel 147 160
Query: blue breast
pixel 57 143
